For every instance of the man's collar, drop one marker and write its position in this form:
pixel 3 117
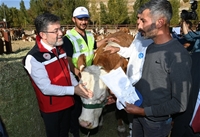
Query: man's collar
pixel 49 48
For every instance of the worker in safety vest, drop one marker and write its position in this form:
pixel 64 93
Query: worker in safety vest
pixel 79 41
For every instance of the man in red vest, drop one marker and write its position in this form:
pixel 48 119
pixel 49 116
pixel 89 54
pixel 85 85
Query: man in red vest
pixel 54 84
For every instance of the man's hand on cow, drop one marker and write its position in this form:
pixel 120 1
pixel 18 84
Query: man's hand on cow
pixel 82 91
pixel 133 109
pixel 112 49
pixel 106 40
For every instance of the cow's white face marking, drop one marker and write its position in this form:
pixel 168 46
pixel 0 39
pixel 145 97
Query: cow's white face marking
pixel 90 117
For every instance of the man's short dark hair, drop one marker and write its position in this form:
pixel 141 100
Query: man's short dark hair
pixel 44 20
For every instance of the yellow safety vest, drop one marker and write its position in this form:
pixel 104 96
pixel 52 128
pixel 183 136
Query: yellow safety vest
pixel 81 47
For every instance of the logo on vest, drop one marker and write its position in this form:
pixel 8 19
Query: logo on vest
pixel 140 55
pixel 81 47
pixel 47 56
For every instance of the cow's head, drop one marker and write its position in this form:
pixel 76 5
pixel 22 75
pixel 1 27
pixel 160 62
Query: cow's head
pixel 92 108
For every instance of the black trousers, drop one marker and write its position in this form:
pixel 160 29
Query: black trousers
pixel 76 111
pixel 57 124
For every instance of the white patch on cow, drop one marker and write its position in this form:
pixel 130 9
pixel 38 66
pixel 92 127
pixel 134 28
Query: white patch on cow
pixel 89 118
pixel 114 44
pixel 94 56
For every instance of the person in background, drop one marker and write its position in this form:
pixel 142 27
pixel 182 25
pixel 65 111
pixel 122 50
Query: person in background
pixel 79 41
pixel 46 64
pixel 192 36
pixel 166 79
pixel 187 44
pixel 181 124
pixel 198 26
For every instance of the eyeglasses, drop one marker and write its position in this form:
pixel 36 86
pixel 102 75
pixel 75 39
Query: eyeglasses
pixel 55 31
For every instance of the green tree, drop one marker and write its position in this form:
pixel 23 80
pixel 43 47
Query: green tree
pixel 23 14
pixel 118 12
pixel 198 10
pixel 81 3
pixel 41 6
pixel 57 7
pixel 176 16
pixel 94 13
pixel 64 11
pixel 61 8
pixel 3 11
pixel 35 9
pixel 67 8
pixel 15 15
pixel 185 0
pixel 5 14
pixel 136 6
pixel 103 14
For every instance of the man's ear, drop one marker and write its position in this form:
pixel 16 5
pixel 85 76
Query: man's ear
pixel 160 22
pixel 73 19
pixel 43 35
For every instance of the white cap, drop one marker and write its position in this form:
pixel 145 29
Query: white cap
pixel 81 12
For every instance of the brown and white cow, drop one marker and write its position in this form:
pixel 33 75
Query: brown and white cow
pixel 103 63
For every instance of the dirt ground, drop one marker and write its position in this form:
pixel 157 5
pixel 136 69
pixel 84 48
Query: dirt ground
pixel 19 45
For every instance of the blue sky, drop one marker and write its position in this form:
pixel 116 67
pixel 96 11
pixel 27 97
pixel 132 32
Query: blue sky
pixel 15 3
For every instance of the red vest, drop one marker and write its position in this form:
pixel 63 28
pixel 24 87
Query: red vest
pixel 58 73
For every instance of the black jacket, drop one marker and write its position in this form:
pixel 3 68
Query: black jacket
pixel 181 126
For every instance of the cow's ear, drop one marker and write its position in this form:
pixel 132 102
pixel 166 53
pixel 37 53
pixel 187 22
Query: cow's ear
pixel 81 68
pixel 81 63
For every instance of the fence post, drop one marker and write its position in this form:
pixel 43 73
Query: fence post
pixel 1 46
pixel 7 39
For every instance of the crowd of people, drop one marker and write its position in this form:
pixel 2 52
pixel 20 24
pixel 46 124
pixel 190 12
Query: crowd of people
pixel 166 76
pixel 188 36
